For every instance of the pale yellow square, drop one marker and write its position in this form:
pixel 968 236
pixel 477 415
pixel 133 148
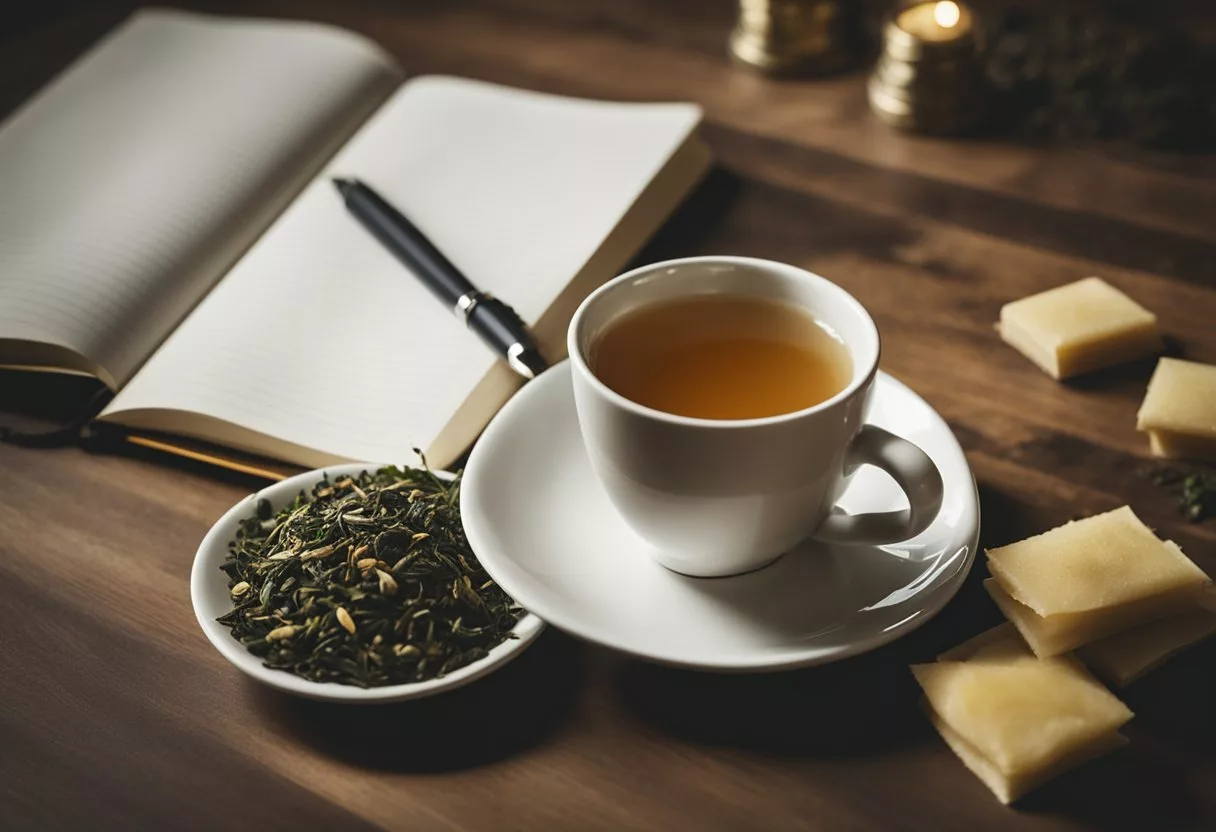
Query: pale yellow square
pixel 1102 561
pixel 1079 327
pixel 1009 787
pixel 1021 715
pixel 1179 409
pixel 1056 634
pixel 1170 445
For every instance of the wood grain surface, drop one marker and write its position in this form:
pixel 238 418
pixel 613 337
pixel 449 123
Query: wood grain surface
pixel 115 713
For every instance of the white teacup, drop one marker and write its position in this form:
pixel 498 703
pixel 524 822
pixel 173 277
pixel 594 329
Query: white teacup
pixel 721 497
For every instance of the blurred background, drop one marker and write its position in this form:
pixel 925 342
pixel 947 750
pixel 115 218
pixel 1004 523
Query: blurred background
pixel 1137 73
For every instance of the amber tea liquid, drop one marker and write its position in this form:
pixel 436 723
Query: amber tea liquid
pixel 722 357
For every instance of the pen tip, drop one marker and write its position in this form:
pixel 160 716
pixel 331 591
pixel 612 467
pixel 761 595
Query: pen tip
pixel 343 185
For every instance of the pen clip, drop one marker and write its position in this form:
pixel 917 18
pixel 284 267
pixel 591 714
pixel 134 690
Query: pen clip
pixel 516 354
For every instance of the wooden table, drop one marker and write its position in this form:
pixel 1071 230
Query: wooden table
pixel 116 713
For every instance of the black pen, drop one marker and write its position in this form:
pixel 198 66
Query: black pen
pixel 496 323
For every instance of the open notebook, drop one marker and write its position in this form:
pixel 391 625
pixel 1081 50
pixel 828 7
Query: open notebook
pixel 169 226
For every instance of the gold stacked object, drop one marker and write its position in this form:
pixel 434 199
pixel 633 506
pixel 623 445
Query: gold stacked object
pixel 784 36
pixel 929 78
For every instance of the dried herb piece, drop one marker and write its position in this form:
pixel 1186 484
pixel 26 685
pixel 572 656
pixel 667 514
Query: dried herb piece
pixel 365 581
pixel 1196 491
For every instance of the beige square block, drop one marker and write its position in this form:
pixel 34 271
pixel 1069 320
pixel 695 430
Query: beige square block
pixel 1056 634
pixel 1079 327
pixel 1169 445
pixel 1102 561
pixel 1127 656
pixel 1009 787
pixel 1016 720
pixel 1179 410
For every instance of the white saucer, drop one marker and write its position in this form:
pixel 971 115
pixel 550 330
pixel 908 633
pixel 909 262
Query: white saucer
pixel 545 531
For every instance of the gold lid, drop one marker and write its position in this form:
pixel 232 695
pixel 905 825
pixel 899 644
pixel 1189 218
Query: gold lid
pixel 925 114
pixel 778 36
pixel 956 72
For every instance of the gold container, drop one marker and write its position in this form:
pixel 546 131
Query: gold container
pixel 929 76
pixel 787 36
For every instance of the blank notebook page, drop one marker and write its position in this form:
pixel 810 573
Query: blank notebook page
pixel 134 180
pixel 319 337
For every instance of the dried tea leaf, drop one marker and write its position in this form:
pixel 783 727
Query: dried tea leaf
pixel 280 633
pixel 1196 491
pixel 391 544
pixel 388 585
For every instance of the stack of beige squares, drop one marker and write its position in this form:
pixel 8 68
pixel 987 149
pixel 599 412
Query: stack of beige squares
pixel 1016 720
pixel 1179 410
pixel 1013 703
pixel 1090 579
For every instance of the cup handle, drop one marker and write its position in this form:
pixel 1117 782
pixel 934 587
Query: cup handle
pixel 915 473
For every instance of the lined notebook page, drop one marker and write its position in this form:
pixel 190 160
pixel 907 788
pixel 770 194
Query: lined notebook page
pixel 320 338
pixel 135 179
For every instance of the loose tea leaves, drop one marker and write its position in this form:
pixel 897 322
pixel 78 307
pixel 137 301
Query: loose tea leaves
pixel 1196 491
pixel 366 581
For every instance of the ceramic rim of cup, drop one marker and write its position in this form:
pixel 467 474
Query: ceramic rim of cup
pixel 579 362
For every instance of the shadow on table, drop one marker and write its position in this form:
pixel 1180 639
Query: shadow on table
pixel 1127 379
pixel 855 706
pixel 34 402
pixel 696 220
pixel 1129 789
pixel 1177 701
pixel 1005 519
pixel 515 708
pixel 1156 782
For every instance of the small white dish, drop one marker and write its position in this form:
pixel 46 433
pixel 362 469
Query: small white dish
pixel 543 527
pixel 210 597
